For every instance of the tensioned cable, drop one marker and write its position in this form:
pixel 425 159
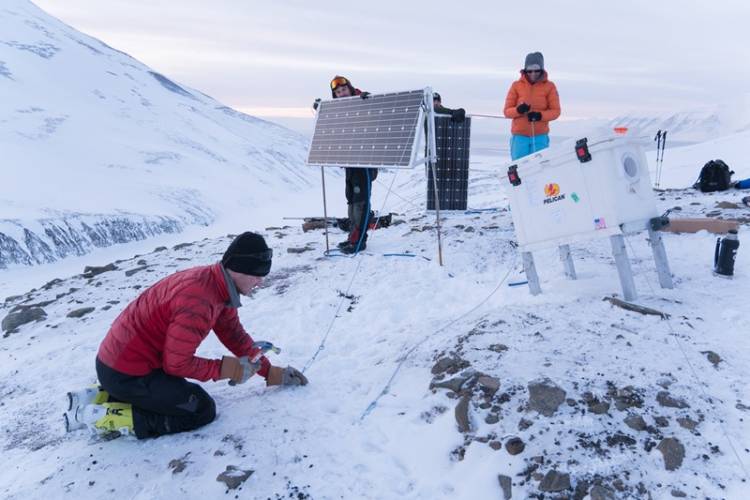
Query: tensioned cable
pixel 700 381
pixel 403 358
pixel 322 344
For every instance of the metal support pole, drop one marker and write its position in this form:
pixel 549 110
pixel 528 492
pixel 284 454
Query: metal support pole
pixel 431 158
pixel 530 269
pixel 620 253
pixel 660 258
pixel 325 208
pixel 567 260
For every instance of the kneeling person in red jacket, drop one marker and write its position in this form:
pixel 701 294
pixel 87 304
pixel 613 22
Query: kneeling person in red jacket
pixel 149 350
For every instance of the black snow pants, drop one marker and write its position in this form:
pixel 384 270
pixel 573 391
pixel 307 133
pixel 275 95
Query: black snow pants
pixel 162 404
pixel 358 193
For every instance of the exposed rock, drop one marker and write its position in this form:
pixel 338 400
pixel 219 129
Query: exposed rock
pixel 665 399
pixel 506 484
pixel 26 315
pixel 661 421
pixel 52 283
pixel 131 272
pixel 488 384
pixel 79 313
pixel 687 423
pixel 599 492
pixel 545 397
pixel 462 414
pixel 514 446
pixel 636 422
pixel 298 250
pixel 448 364
pixel 180 246
pixel 496 445
pixel 453 384
pixel 555 481
pixel 727 204
pixel 159 249
pixel 673 452
pixel 492 419
pixel 627 397
pixel 678 494
pixel 620 439
pixel 178 464
pixel 233 477
pixel 595 405
pixel 524 424
pixel 712 357
pixel 141 262
pixel 498 347
pixel 91 271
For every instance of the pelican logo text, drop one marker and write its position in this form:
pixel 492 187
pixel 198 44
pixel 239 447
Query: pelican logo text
pixel 552 193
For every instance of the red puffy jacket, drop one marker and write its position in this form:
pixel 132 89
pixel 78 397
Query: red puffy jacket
pixel 164 326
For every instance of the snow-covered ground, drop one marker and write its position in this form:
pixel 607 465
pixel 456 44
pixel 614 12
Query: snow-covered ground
pixel 385 329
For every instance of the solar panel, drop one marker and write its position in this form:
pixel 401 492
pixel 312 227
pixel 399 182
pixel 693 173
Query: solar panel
pixel 379 131
pixel 453 141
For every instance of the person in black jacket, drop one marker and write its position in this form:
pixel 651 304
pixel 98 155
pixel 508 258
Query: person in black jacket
pixel 358 182
pixel 457 115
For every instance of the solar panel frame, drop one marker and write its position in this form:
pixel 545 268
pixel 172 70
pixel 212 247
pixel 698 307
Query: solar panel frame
pixel 406 141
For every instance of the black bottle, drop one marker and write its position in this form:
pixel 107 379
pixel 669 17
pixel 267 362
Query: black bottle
pixel 725 253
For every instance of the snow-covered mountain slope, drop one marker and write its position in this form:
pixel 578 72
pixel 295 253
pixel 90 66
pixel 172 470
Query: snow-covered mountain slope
pixel 99 149
pixel 477 385
pixel 695 125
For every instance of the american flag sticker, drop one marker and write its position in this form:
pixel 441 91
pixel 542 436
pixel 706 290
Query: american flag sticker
pixel 600 223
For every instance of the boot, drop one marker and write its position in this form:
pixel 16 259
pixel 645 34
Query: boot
pixel 109 418
pixel 355 246
pixel 90 395
pixel 77 400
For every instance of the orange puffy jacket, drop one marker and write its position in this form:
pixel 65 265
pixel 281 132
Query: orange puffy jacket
pixel 541 96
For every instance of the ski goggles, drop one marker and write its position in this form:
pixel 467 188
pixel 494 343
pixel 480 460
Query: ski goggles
pixel 338 82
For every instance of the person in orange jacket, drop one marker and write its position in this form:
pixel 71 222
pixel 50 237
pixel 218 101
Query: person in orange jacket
pixel 532 102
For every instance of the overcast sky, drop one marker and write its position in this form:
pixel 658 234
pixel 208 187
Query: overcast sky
pixel 272 58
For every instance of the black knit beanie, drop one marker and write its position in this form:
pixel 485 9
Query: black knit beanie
pixel 248 254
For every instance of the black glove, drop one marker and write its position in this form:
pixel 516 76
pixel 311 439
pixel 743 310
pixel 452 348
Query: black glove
pixel 523 108
pixel 458 115
pixel 364 95
pixel 534 116
pixel 316 104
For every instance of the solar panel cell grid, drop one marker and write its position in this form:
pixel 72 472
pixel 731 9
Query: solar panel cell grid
pixel 452 168
pixel 378 131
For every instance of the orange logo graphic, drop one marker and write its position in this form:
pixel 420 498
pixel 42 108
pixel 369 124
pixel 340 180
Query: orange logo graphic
pixel 551 189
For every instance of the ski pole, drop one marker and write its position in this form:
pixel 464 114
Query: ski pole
pixel 657 138
pixel 533 139
pixel 661 161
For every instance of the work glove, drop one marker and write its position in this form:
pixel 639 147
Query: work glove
pixel 458 115
pixel 534 116
pixel 237 370
pixel 316 104
pixel 523 108
pixel 364 95
pixel 285 376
